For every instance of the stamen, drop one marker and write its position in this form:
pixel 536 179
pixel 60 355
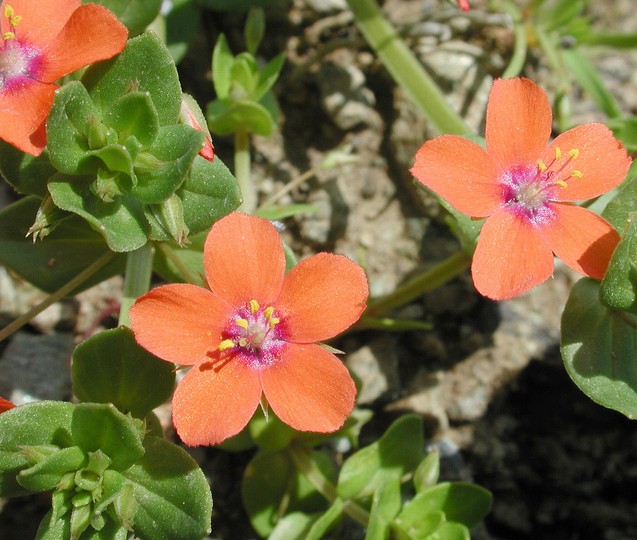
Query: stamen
pixel 274 321
pixel 15 20
pixel 267 313
pixel 561 183
pixel 254 306
pixel 574 153
pixel 577 174
pixel 541 165
pixel 226 344
pixel 558 152
pixel 241 323
pixel 8 35
pixel 8 11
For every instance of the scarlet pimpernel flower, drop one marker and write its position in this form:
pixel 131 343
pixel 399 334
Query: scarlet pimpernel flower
pixel 42 42
pixel 5 405
pixel 254 334
pixel 525 189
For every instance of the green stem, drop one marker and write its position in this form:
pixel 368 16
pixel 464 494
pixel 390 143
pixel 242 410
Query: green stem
pixel 242 166
pixel 300 456
pixel 520 45
pixel 139 266
pixel 57 295
pixel 435 277
pixel 185 272
pixel 405 68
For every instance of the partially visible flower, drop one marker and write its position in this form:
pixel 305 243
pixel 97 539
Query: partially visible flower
pixel 526 190
pixel 189 117
pixel 254 334
pixel 42 42
pixel 5 405
pixel 464 5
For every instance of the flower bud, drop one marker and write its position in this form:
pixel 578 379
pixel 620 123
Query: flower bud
pixel 190 114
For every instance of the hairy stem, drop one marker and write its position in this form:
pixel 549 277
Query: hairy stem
pixel 139 266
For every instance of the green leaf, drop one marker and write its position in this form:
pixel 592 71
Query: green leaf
pixel 133 115
pixel 428 471
pixel 174 498
pixel 293 525
pixel 617 290
pixel 270 434
pixel 144 65
pixel 226 118
pixel 209 193
pixel 136 15
pixel 38 423
pixel 254 29
pixel 326 522
pixel 60 529
pixel 72 118
pixel 97 426
pixel 622 204
pixel 121 222
pixel 170 258
pixel 27 174
pixel 599 349
pixel 45 475
pixel 396 453
pixel 463 503
pixel 182 23
pixel 268 76
pixel 110 367
pixel 386 504
pixel 162 169
pixel 451 531
pixel 265 482
pixel 560 13
pixel 222 61
pixel 414 523
pixel 244 75
pixel 67 251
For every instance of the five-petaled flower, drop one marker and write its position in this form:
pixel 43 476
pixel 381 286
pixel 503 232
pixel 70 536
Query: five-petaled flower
pixel 254 334
pixel 526 190
pixel 41 42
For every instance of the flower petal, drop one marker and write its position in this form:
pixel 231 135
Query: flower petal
pixel 210 405
pixel 602 161
pixel 180 323
pixel 321 296
pixel 309 388
pixel 5 405
pixel 91 34
pixel 23 111
pixel 582 239
pixel 41 21
pixel 244 260
pixel 518 123
pixel 461 172
pixel 511 257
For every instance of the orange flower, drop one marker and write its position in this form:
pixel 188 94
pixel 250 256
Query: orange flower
pixel 254 333
pixel 525 189
pixel 5 405
pixel 41 42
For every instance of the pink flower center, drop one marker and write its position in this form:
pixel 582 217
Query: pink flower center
pixel 17 59
pixel 254 335
pixel 529 190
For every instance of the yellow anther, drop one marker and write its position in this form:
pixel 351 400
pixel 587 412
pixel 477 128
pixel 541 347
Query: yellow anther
pixel 573 153
pixel 561 183
pixel 8 11
pixel 226 344
pixel 254 306
pixel 267 313
pixel 242 323
pixel 15 20
pixel 558 152
pixel 274 321
pixel 577 174
pixel 243 342
pixel 541 165
pixel 8 35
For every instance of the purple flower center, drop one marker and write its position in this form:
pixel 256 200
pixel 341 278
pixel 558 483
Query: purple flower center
pixel 528 191
pixel 254 335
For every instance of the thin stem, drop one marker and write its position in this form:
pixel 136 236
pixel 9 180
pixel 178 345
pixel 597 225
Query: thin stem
pixel 290 186
pixel 300 456
pixel 181 267
pixel 57 295
pixel 432 278
pixel 139 266
pixel 242 166
pixel 520 45
pixel 405 68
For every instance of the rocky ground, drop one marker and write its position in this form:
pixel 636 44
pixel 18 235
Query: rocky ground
pixel 488 378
